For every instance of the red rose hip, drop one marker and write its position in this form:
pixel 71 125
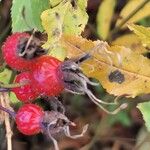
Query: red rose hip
pixel 46 77
pixel 11 49
pixel 20 50
pixel 28 119
pixel 25 93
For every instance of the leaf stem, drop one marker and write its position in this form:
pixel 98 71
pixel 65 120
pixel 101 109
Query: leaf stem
pixel 129 17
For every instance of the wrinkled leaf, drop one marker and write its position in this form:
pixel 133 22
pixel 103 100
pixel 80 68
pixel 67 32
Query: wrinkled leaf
pixel 5 76
pixel 145 110
pixel 21 14
pixel 119 69
pixel 52 21
pixel 130 41
pixel 130 7
pixel 75 19
pixel 142 32
pixel 104 17
pixel 64 18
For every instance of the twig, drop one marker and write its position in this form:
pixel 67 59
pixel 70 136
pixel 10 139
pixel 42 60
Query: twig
pixel 5 103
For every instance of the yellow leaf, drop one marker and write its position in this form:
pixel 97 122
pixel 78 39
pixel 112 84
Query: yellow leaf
pixel 54 2
pixel 52 20
pixel 130 41
pixel 58 52
pixel 104 17
pixel 63 18
pixel 130 7
pixel 119 69
pixel 142 32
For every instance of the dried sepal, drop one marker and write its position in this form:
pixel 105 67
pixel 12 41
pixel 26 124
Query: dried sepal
pixel 55 123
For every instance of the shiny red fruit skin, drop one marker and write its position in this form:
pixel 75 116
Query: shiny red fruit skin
pixel 28 119
pixel 25 93
pixel 46 76
pixel 10 52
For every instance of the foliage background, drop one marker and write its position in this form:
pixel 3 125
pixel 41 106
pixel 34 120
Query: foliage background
pixel 126 130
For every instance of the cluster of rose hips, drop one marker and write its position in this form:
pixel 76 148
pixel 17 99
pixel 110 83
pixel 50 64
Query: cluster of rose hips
pixel 39 75
pixel 42 75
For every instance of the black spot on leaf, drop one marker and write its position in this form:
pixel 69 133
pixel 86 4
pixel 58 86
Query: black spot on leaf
pixel 116 76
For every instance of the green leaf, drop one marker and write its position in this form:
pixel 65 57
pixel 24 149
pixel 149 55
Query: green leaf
pixel 5 76
pixel 104 17
pixel 142 32
pixel 38 6
pixel 145 110
pixel 21 14
pixel 26 14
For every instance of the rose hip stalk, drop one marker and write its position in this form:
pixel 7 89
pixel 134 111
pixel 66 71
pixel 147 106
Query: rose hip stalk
pixel 51 76
pixel 31 119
